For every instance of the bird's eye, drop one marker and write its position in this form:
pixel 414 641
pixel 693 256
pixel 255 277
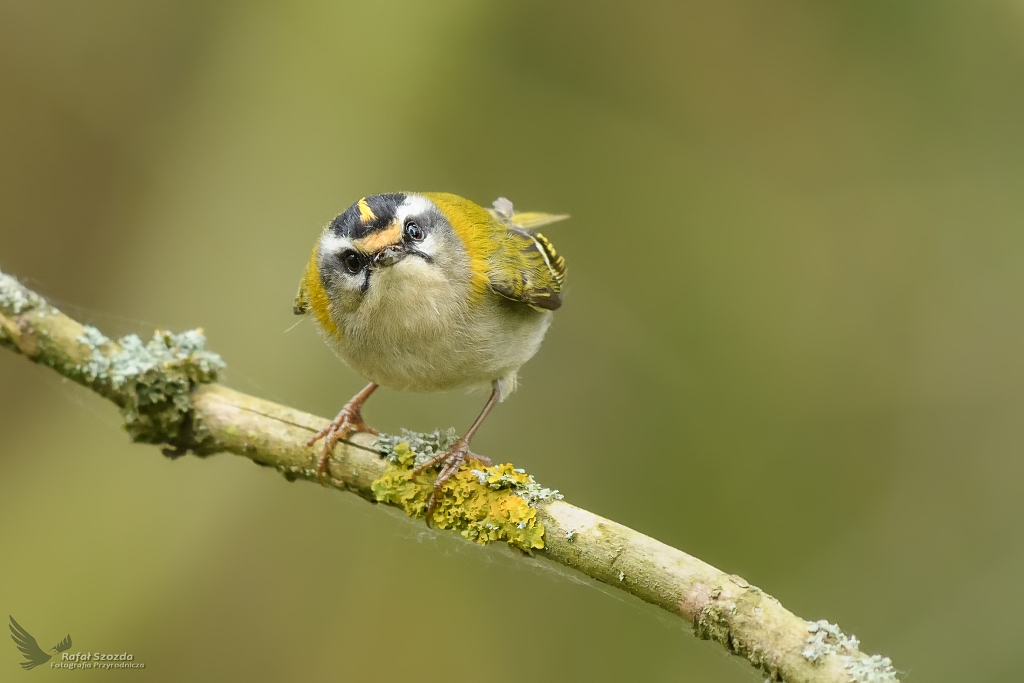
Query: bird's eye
pixel 352 261
pixel 414 231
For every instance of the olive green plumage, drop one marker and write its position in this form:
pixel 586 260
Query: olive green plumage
pixel 526 267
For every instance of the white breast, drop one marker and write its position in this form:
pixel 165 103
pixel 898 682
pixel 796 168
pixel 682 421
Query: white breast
pixel 416 331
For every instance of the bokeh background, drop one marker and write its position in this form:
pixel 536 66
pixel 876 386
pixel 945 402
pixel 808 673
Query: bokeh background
pixel 791 343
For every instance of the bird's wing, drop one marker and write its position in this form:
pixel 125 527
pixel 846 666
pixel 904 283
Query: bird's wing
pixel 526 268
pixel 28 646
pixel 64 644
pixel 527 220
pixel 530 220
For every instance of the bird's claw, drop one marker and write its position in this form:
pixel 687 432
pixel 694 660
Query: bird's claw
pixel 347 422
pixel 450 462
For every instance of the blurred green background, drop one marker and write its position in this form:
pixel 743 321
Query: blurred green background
pixel 791 343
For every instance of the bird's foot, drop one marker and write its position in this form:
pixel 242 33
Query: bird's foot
pixel 347 422
pixel 450 463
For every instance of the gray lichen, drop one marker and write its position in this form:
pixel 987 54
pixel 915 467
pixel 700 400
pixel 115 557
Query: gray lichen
pixel 152 381
pixel 135 359
pixel 425 445
pixel 873 669
pixel 13 297
pixel 828 639
pixel 521 483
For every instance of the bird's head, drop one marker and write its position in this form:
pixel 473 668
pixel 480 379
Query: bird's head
pixel 390 246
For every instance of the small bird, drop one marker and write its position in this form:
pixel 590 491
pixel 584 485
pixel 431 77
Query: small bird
pixel 26 643
pixel 429 292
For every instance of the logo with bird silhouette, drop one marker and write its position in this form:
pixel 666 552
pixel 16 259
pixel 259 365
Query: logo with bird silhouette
pixel 34 655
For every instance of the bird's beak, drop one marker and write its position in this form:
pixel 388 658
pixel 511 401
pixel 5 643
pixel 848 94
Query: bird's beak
pixel 389 256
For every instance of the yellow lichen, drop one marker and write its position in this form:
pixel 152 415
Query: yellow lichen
pixel 481 502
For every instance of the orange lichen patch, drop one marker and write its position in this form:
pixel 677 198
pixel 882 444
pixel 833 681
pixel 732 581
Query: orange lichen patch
pixel 479 501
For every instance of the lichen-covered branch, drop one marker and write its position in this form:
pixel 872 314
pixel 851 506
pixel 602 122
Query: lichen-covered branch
pixel 167 391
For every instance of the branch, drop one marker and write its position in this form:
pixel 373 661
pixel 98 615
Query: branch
pixel 167 392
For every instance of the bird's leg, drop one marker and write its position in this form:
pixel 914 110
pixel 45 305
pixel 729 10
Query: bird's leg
pixel 456 455
pixel 349 420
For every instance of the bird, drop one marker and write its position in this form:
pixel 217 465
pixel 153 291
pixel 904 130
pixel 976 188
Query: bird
pixel 430 292
pixel 34 655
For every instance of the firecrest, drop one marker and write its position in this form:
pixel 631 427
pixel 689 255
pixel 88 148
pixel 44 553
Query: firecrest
pixel 428 292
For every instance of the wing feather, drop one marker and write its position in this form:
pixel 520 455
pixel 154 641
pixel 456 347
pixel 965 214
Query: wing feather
pixel 527 269
pixel 529 220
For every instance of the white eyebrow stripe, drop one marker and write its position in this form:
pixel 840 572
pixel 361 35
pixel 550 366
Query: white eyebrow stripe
pixel 332 244
pixel 414 205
